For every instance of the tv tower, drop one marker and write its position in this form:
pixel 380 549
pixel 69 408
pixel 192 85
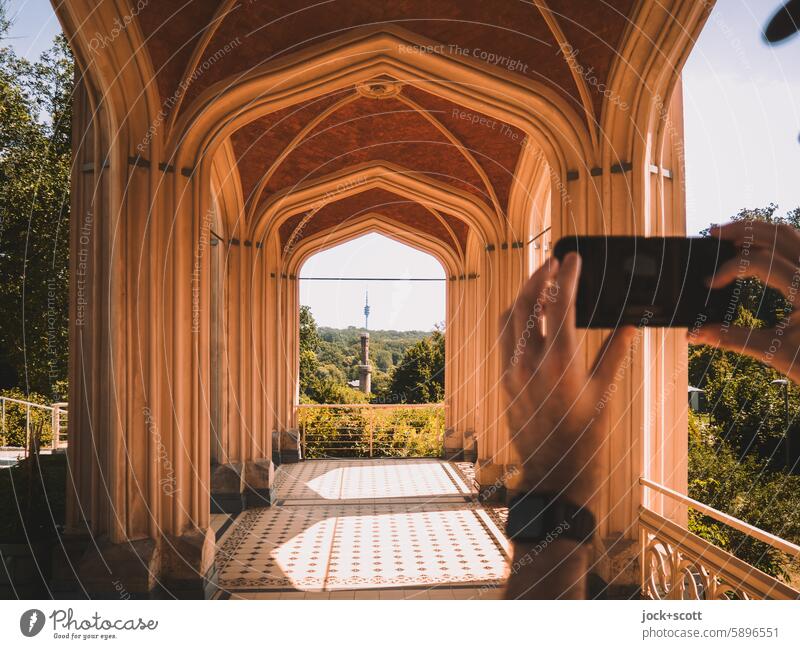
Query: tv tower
pixel 364 369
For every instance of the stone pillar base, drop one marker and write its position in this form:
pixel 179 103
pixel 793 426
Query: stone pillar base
pixel 188 565
pixel 452 446
pixel 470 446
pixel 491 479
pixel 226 489
pixel 617 563
pixel 119 570
pixel 289 446
pixel 179 567
pixel 259 477
pixel 276 448
pixel 237 486
pixel 459 447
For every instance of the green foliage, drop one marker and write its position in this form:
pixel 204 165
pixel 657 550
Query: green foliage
pixel 744 488
pixel 736 449
pixel 748 409
pixel 329 359
pixel 309 336
pixel 419 378
pixel 329 391
pixel 341 348
pixel 35 159
pixel 743 402
pixel 394 432
pixel 14 433
pixel 321 383
pixel 765 304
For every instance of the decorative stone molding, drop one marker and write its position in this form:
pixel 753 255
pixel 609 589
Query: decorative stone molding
pixel 379 88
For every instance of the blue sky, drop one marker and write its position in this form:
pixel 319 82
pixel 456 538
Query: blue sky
pixel 742 105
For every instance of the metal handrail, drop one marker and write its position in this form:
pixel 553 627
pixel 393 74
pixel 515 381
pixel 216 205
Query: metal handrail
pixel 770 539
pixel 367 445
pixel 404 406
pixel 33 403
pixel 57 410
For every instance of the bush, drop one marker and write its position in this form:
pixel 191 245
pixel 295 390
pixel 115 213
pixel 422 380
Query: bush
pixel 396 432
pixel 746 489
pixel 14 433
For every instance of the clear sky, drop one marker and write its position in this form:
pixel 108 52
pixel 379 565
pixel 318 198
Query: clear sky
pixel 742 103
pixel 393 305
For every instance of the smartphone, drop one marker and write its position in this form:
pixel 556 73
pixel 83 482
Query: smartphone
pixel 650 281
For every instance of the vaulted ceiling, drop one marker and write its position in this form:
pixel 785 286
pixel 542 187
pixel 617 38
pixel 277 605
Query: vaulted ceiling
pixel 389 120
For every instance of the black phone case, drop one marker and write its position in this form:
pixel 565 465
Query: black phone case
pixel 650 281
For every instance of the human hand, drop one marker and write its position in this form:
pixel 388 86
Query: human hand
pixel 555 404
pixel 771 253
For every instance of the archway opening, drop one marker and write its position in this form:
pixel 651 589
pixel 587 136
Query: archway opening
pixel 371 379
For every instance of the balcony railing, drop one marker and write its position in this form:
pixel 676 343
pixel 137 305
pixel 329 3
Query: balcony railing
pixel 371 430
pixel 25 423
pixel 677 564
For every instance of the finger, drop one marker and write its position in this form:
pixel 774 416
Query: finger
pixel 530 309
pixel 771 269
pixel 522 336
pixel 614 350
pixel 782 238
pixel 560 323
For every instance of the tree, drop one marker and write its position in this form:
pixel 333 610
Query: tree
pixel 309 335
pixel 35 159
pixel 735 450
pixel 744 488
pixel 744 404
pixel 320 383
pixel 419 378
pixel 741 398
pixel 407 366
pixel 382 359
pixel 309 340
pixel 764 303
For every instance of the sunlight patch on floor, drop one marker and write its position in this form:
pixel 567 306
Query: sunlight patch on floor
pixel 356 534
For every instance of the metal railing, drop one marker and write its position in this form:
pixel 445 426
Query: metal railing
pixel 49 423
pixel 371 430
pixel 677 564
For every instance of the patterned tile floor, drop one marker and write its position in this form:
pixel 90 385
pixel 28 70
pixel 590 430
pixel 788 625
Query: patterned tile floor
pixel 366 529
